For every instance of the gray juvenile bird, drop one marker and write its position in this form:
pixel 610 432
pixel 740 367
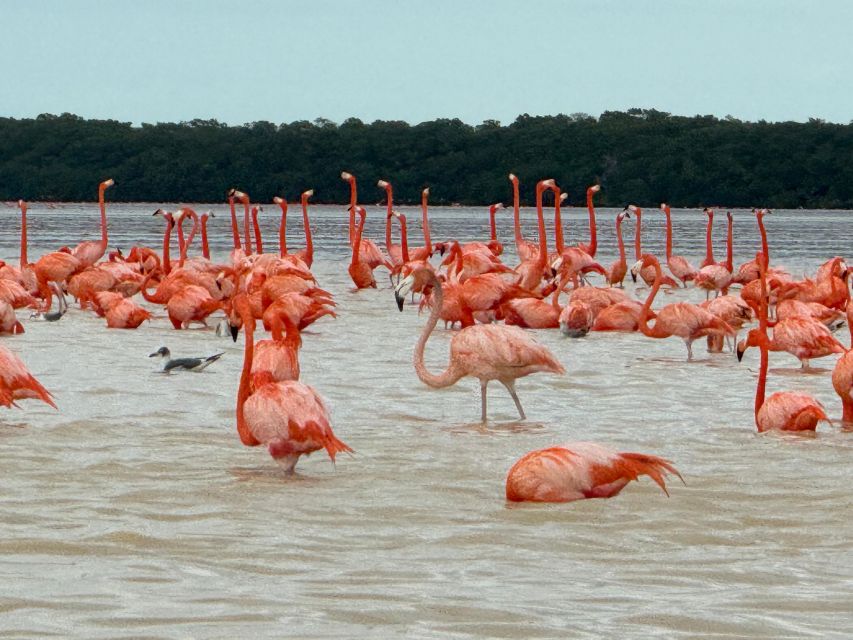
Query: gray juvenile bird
pixel 185 364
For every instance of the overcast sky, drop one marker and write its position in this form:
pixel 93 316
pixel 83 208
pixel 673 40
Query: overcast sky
pixel 241 61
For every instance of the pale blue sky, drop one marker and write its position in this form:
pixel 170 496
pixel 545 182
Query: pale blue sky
pixel 240 61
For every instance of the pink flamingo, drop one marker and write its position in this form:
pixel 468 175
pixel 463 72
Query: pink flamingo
pixel 237 252
pixel 687 321
pixel 277 360
pixel 804 338
pixel 592 247
pixel 717 277
pixel 535 265
pixel 394 250
pixel 571 261
pixel 359 269
pixel 17 383
pixel 647 274
pixel 493 246
pixel 783 410
pixel 842 375
pixel 120 312
pixel 485 352
pixel 580 470
pixel 289 417
pixel 259 244
pixel 205 248
pixel 678 265
pixel 525 249
pixel 89 252
pixel 617 271
pixel 709 247
pixel 368 251
pixel 8 320
pixel 423 253
pixel 24 275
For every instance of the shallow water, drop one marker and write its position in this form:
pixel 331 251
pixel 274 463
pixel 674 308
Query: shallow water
pixel 134 511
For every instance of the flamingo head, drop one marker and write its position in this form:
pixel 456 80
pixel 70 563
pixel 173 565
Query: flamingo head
pixel 22 205
pixel 753 339
pixel 239 195
pixel 425 192
pixel 664 207
pixel 495 207
pixel 106 184
pixel 729 215
pixel 634 209
pixel 708 211
pixel 594 189
pixel 513 178
pixel 563 196
pixel 346 176
pixel 383 184
pixel 418 278
pixel 278 200
pixel 307 194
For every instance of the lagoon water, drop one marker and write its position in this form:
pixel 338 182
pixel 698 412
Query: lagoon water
pixel 135 512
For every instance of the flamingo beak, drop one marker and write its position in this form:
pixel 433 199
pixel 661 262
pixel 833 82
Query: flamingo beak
pixel 402 289
pixel 741 348
pixel 235 331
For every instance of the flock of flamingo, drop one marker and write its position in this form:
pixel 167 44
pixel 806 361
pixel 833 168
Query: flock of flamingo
pixel 493 303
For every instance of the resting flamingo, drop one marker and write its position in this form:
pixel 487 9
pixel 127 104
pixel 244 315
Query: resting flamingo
pixel 17 383
pixel 289 417
pixel 8 320
pixel 580 470
pixel 485 352
pixel 678 265
pixel 90 251
pixel 784 410
pixel 687 321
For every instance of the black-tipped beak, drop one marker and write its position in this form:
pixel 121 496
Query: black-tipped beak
pixel 441 250
pixel 400 300
pixel 740 354
pixel 633 276
pixel 235 331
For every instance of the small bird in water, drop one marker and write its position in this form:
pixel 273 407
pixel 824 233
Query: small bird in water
pixel 185 364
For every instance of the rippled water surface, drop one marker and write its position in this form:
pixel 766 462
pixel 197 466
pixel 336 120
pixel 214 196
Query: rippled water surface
pixel 135 512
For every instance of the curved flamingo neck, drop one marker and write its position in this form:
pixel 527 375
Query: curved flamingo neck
pixel 763 345
pixel 235 229
pixel 643 320
pixel 186 245
pixel 259 244
pixel 103 207
pixel 730 245
pixel 516 215
pixel 638 230
pixel 282 228
pixel 451 374
pixel 404 238
pixel 619 240
pixel 306 223
pixel 667 213
pixel 205 248
pixel 493 230
pixel 356 245
pixel 765 249
pixel 353 202
pixel 143 289
pixel 558 222
pixel 593 236
pixel 167 238
pixel 542 259
pixel 24 262
pixel 245 313
pixel 709 249
pixel 427 241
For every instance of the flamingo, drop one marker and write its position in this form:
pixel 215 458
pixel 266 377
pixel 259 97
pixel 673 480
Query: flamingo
pixel 8 320
pixel 571 261
pixel 709 248
pixel 804 338
pixel 189 304
pixel 277 360
pixel 581 470
pixel 289 417
pixel 842 375
pixel 120 312
pixel 237 252
pixel 617 271
pixel 687 321
pixel 535 265
pixel 247 236
pixel 621 316
pixel 485 352
pixel 369 252
pixel 678 265
pixel 648 274
pixel 24 274
pixel 493 246
pixel 205 248
pixel 359 269
pixel 592 247
pixel 395 252
pixel 17 383
pixel 90 251
pixel 576 319
pixel 718 276
pixel 423 253
pixel 525 249
pixel 784 410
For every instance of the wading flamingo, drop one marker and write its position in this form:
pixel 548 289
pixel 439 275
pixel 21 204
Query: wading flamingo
pixel 289 417
pixel 359 269
pixel 533 268
pixel 423 253
pixel 678 265
pixel 687 321
pixel 525 249
pixel 842 375
pixel 783 410
pixel 648 274
pixel 617 271
pixel 580 470
pixel 709 247
pixel 592 247
pixel 368 251
pixel 89 252
pixel 717 277
pixel 485 352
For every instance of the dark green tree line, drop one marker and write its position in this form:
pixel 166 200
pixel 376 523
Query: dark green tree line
pixel 642 156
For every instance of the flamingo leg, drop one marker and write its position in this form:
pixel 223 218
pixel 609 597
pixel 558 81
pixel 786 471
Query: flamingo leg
pixel 689 344
pixel 510 386
pixel 483 384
